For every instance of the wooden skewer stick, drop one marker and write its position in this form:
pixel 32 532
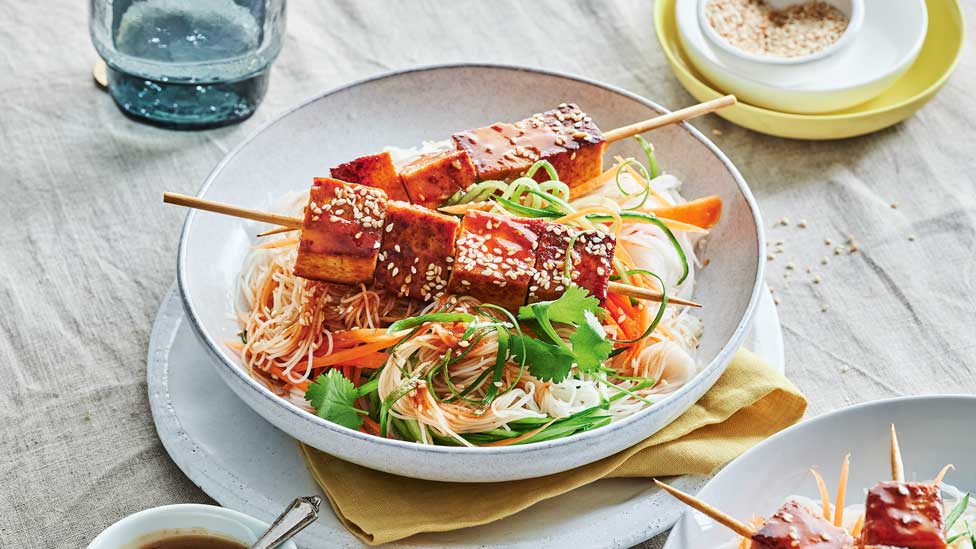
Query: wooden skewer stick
pixel 897 467
pixel 679 115
pixel 644 293
pixel 233 211
pixel 288 223
pixel 279 230
pixel 718 516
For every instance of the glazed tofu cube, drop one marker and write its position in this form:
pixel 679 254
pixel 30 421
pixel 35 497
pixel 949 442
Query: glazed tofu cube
pixel 375 170
pixel 416 255
pixel 432 178
pixel 591 262
pixel 794 526
pixel 565 136
pixel 904 514
pixel 341 233
pixel 494 259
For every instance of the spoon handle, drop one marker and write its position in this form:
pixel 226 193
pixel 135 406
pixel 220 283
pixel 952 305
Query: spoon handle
pixel 302 512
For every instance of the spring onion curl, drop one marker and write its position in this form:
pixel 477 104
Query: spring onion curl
pixel 652 167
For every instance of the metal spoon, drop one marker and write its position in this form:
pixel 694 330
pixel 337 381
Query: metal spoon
pixel 302 512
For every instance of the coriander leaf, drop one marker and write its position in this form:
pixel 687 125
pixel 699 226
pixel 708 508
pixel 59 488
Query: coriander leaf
pixel 334 398
pixel 545 361
pixel 568 309
pixel 590 344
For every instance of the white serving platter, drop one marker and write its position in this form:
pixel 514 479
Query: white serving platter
pixel 246 464
pixel 932 431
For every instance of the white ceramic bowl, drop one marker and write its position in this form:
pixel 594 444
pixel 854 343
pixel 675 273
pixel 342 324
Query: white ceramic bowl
pixel 853 9
pixel 932 431
pixel 889 39
pixel 403 109
pixel 198 518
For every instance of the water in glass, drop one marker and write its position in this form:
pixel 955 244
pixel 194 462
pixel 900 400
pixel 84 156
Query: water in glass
pixel 188 63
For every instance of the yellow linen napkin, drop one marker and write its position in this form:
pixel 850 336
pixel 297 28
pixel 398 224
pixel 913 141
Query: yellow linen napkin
pixel 750 402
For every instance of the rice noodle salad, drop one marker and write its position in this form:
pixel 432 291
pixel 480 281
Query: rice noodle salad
pixel 455 371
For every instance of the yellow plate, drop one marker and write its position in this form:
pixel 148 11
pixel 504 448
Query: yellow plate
pixel 935 63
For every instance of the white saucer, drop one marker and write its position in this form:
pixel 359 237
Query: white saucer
pixel 888 42
pixel 246 464
pixel 932 431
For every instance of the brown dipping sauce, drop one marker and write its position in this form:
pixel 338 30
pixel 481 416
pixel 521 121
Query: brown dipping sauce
pixel 192 540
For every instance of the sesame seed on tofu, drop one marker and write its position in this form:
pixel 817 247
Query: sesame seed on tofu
pixel 342 247
pixel 423 242
pixel 564 136
pixel 495 264
pixel 591 265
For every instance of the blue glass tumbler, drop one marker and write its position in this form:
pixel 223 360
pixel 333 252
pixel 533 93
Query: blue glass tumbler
pixel 188 64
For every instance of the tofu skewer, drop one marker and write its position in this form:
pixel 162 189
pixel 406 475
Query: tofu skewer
pixel 565 137
pixel 370 237
pixel 903 514
pixel 897 515
pixel 792 526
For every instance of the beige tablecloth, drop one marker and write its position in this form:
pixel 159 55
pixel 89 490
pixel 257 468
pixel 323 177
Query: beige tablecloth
pixel 87 251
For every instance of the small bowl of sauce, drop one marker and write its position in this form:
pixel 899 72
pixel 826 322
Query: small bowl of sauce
pixel 187 526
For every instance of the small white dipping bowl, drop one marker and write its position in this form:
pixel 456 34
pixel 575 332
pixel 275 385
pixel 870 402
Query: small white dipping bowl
pixel 881 42
pixel 133 530
pixel 852 9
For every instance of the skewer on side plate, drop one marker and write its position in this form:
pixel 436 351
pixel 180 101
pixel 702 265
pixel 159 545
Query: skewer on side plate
pixel 897 515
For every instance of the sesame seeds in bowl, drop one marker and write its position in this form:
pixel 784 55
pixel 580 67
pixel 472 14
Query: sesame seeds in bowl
pixel 780 31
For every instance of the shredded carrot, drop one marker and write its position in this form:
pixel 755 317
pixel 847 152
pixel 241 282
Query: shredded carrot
pixel 279 372
pixel 676 225
pixel 276 244
pixel 942 474
pixel 856 530
pixel 520 438
pixel 617 221
pixel 824 496
pixel 704 212
pixel 347 355
pixel 370 426
pixel 371 360
pixel 593 183
pixel 346 338
pixel 841 491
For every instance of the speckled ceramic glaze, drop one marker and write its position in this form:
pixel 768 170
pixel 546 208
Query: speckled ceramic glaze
pixel 404 109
